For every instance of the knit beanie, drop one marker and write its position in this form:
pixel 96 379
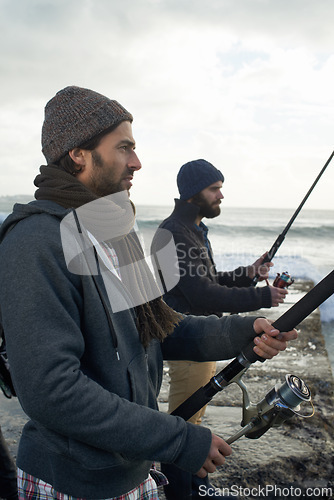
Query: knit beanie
pixel 75 115
pixel 195 176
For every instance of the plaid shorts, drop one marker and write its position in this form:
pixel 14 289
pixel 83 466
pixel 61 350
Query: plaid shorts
pixel 32 488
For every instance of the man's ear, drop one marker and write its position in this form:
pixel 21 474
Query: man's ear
pixel 78 156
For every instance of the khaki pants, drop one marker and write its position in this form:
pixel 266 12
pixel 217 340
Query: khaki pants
pixel 185 378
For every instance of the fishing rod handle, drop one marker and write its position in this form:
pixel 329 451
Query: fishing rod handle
pixel 298 312
pixel 269 256
pixel 196 401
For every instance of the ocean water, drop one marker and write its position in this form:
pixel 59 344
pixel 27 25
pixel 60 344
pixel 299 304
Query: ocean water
pixel 240 235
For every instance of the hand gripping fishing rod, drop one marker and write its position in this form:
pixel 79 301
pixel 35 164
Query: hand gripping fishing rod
pixel 234 370
pixel 281 237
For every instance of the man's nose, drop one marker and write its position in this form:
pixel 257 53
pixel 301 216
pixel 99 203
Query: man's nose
pixel 134 162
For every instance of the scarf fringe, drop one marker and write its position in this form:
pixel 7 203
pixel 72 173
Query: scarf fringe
pixel 156 319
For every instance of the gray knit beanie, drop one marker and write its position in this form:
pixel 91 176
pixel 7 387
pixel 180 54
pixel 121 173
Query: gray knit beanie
pixel 195 176
pixel 75 115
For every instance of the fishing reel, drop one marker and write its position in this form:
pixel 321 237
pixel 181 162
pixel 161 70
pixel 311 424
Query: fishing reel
pixel 280 404
pixel 283 280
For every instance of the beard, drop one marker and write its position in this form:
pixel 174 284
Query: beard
pixel 102 182
pixel 206 209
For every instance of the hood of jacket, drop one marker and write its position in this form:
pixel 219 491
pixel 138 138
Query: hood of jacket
pixel 23 210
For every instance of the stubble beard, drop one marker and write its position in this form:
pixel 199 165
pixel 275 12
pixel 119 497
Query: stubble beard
pixel 100 185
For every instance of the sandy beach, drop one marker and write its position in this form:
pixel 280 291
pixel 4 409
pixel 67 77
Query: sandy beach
pixel 293 458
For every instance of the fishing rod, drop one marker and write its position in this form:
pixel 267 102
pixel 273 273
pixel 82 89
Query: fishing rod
pixel 236 368
pixel 281 237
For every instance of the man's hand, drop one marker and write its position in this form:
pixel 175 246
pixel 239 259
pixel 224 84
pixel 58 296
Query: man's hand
pixel 262 270
pixel 216 456
pixel 272 341
pixel 277 295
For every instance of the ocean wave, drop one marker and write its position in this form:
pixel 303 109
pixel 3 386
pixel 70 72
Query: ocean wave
pixel 297 266
pixel 309 231
pixel 318 231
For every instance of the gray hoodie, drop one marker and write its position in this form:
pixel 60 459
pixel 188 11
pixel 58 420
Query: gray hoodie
pixel 94 426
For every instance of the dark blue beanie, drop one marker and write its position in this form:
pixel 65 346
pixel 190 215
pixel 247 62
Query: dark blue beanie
pixel 195 176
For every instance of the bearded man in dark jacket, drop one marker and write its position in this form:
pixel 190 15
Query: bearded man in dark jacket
pixel 202 290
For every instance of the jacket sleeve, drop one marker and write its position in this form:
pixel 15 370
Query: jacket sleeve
pixel 238 277
pixel 203 293
pixel 209 338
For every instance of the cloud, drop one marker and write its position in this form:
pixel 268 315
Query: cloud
pixel 244 84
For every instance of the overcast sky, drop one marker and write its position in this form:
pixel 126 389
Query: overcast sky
pixel 245 84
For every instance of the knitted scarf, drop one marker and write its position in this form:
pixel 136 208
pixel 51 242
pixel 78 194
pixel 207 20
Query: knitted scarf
pixel 155 319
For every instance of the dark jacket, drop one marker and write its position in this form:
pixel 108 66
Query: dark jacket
pixel 94 425
pixel 201 289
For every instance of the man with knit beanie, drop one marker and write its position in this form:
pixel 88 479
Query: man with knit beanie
pixel 202 290
pixel 86 353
